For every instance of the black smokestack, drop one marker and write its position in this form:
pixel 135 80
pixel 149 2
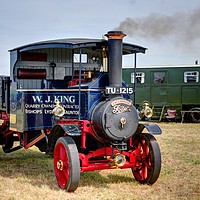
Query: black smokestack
pixel 115 57
pixel 183 28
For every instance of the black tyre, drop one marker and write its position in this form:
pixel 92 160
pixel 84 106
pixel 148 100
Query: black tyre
pixel 195 116
pixel 8 143
pixel 67 164
pixel 148 163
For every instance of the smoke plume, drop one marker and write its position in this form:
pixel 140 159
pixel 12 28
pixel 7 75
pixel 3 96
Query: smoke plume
pixel 183 28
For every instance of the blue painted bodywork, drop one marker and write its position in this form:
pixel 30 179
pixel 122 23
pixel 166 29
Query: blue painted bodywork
pixel 33 109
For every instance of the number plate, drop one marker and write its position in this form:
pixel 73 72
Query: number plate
pixel 119 90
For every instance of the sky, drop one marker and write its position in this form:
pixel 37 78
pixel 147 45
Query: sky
pixel 170 29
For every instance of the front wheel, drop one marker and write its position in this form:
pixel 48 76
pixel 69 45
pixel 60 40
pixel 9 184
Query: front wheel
pixel 148 163
pixel 67 164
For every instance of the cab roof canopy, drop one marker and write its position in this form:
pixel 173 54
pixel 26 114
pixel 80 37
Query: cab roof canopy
pixel 77 43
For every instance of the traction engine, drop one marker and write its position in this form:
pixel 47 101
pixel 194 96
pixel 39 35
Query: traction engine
pixel 87 121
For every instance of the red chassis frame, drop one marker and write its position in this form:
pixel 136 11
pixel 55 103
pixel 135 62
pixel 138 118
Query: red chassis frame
pixel 99 159
pixel 104 155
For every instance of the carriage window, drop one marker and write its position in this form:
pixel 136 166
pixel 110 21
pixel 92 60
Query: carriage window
pixel 77 58
pixel 191 77
pixel 139 77
pixel 159 77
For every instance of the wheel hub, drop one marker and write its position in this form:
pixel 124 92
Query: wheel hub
pixel 60 165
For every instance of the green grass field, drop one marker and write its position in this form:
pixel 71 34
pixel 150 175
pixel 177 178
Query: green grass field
pixel 28 174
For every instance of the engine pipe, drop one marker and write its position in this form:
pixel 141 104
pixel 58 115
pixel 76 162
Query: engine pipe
pixel 115 58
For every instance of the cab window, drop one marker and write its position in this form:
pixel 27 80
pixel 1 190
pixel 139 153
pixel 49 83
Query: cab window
pixel 139 77
pixel 191 77
pixel 159 77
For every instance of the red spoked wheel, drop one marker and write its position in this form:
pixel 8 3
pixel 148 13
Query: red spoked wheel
pixel 67 164
pixel 148 163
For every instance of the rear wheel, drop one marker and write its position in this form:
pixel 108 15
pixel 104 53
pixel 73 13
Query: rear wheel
pixel 8 143
pixel 195 116
pixel 67 164
pixel 148 163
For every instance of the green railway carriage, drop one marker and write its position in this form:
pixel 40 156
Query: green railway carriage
pixel 168 87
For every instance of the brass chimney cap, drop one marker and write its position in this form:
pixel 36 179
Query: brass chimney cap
pixel 115 35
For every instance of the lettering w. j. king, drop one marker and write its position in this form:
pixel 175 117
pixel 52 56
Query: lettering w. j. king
pixel 53 98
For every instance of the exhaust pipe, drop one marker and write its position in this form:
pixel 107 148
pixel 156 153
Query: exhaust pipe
pixel 115 58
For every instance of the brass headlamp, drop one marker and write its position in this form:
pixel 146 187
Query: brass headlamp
pixel 146 109
pixel 118 160
pixel 58 111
